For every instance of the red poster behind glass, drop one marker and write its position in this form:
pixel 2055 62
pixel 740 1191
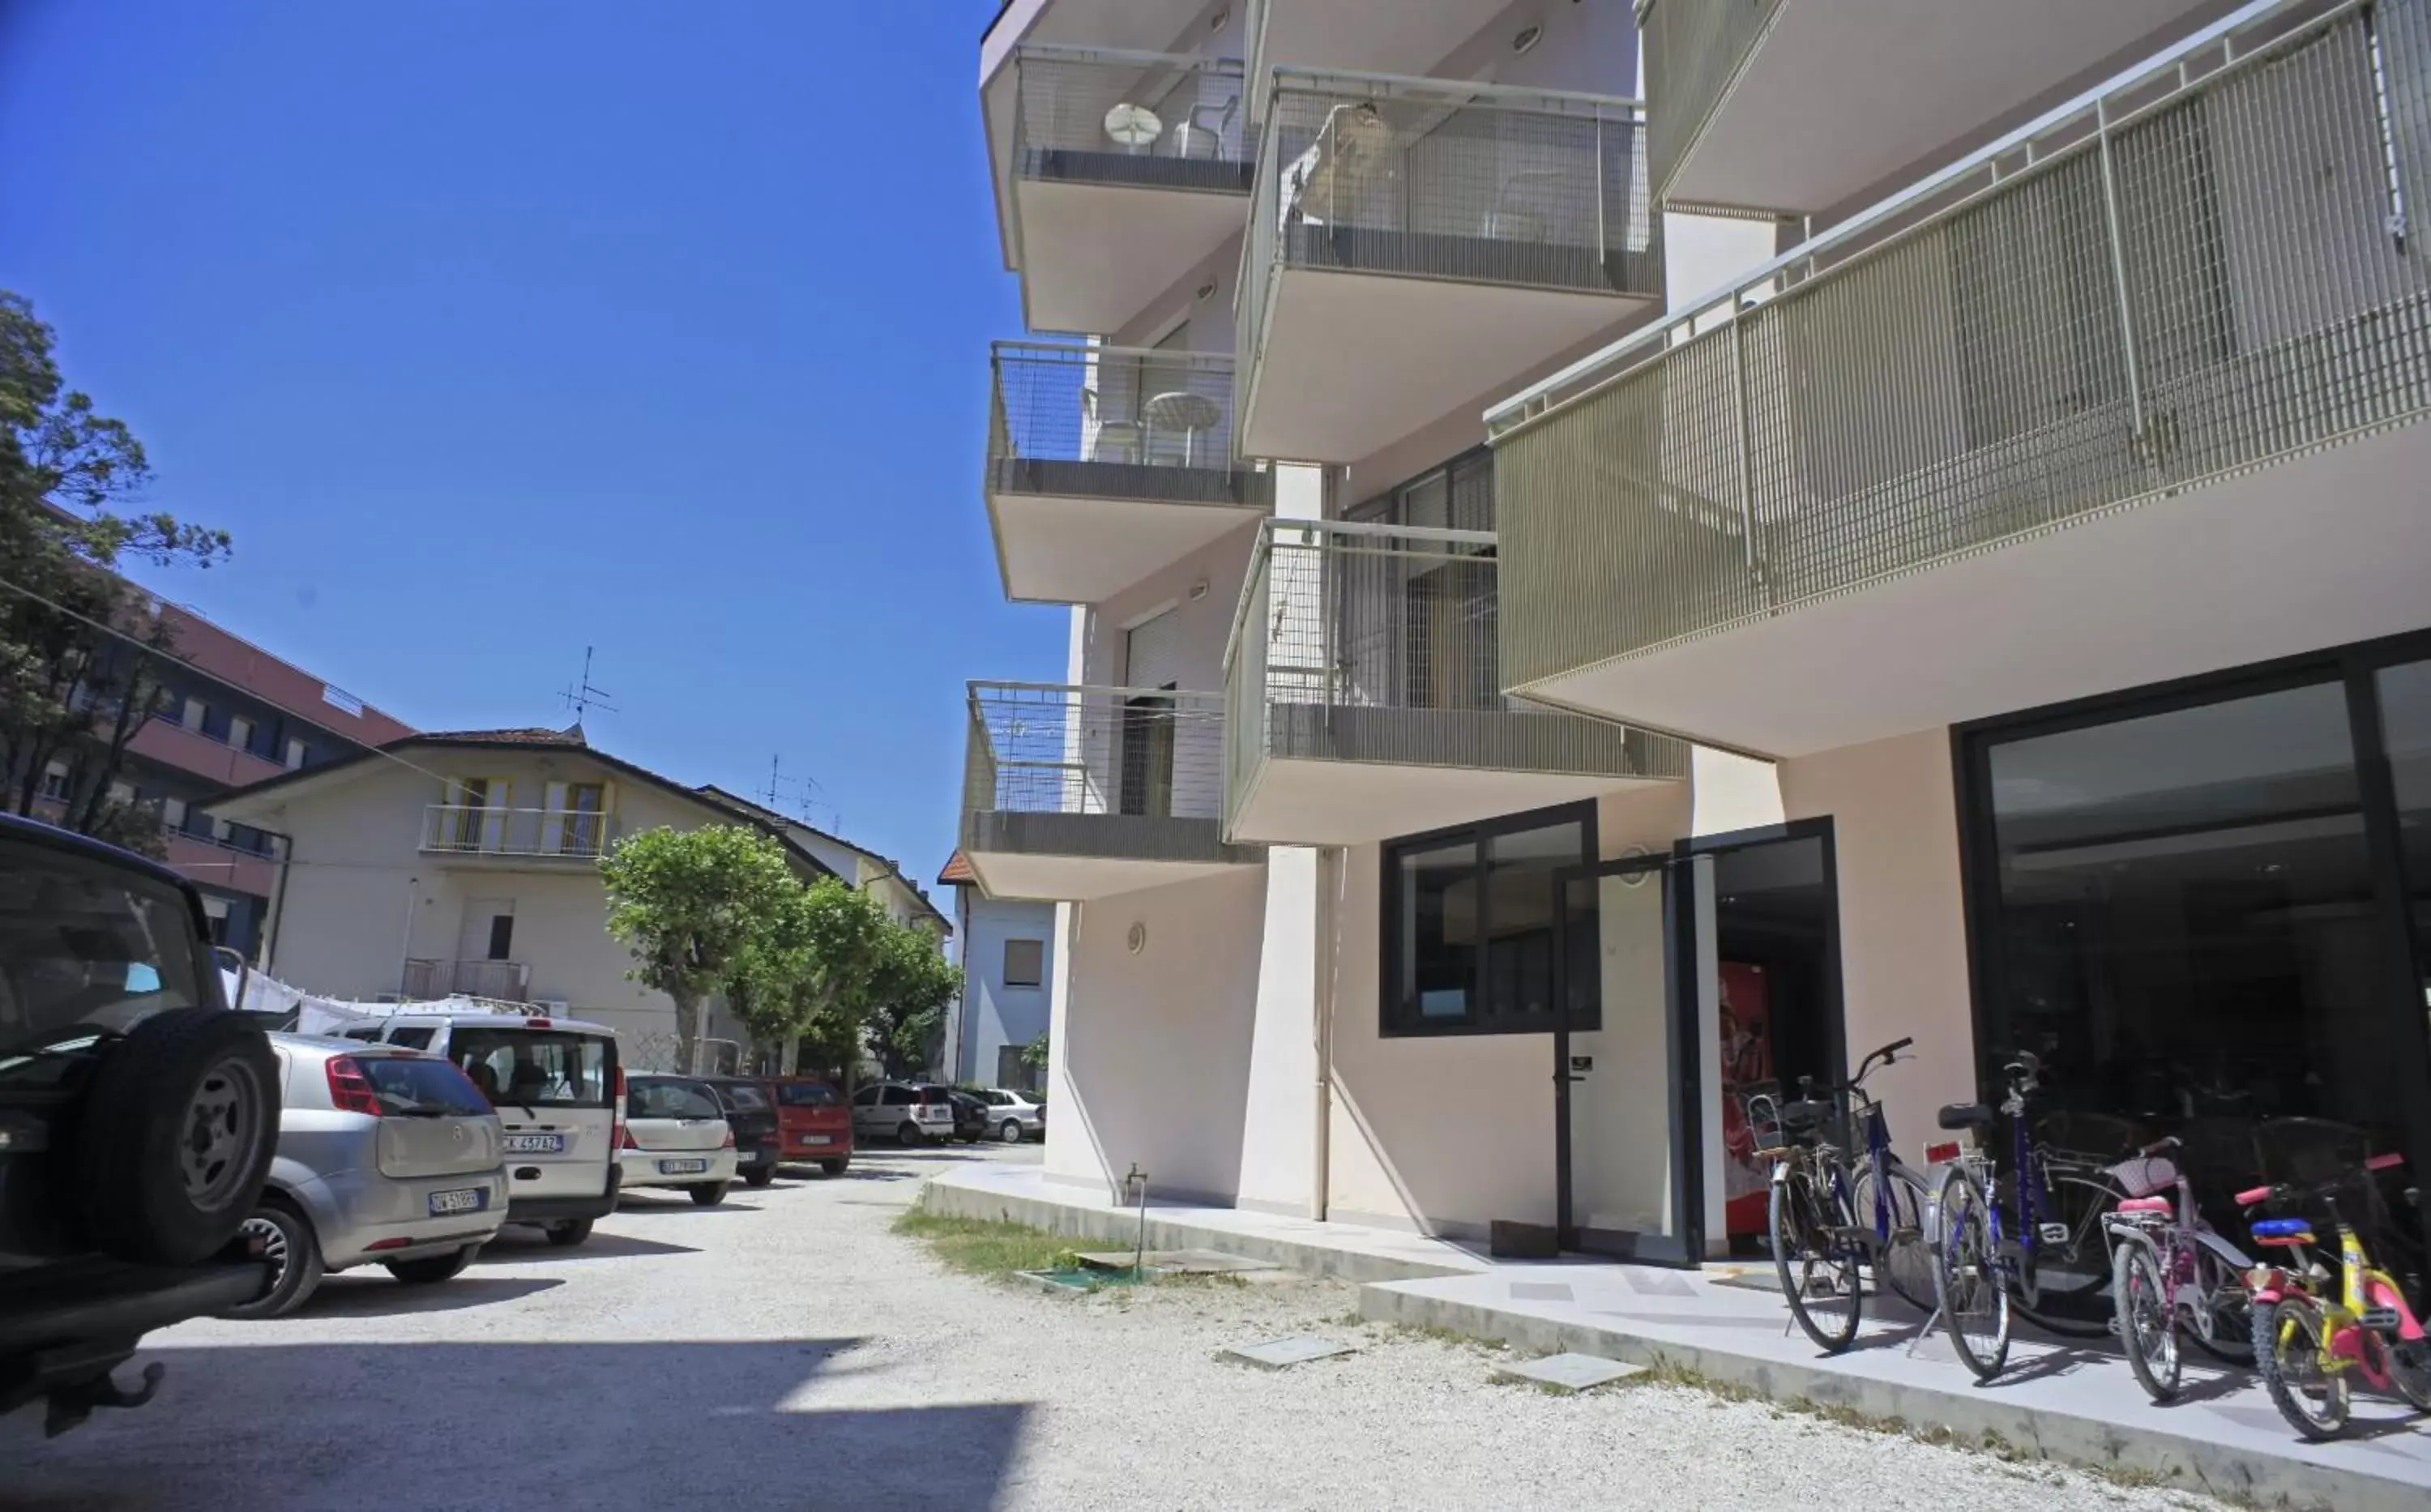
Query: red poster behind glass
pixel 1746 1015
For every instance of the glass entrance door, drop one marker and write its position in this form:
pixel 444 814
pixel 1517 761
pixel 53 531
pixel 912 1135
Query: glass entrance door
pixel 1632 1060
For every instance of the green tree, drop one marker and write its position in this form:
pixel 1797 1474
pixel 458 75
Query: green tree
pixel 1035 1056
pixel 693 905
pixel 908 996
pixel 73 695
pixel 804 983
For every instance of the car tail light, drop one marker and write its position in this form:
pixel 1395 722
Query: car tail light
pixel 396 1243
pixel 729 1139
pixel 619 1137
pixel 625 1137
pixel 350 1090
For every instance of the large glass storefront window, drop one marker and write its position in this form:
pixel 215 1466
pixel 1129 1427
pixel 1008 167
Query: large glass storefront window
pixel 2404 694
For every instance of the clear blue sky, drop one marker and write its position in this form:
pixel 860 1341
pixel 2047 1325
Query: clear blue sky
pixel 492 329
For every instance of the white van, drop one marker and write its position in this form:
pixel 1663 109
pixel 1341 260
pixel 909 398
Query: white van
pixel 560 1093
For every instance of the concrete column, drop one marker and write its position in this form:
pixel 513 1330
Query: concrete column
pixel 1278 1126
pixel 1729 792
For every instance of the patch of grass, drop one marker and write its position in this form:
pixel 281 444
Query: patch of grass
pixel 987 1247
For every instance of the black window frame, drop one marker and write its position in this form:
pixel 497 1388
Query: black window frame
pixel 1392 1023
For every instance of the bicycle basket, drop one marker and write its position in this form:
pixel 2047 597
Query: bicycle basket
pixel 2144 1175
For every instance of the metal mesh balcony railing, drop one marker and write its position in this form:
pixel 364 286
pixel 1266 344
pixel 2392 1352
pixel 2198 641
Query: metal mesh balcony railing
pixel 1130 773
pixel 461 828
pixel 1147 120
pixel 1116 422
pixel 1435 179
pixel 1694 52
pixel 1376 643
pixel 2205 265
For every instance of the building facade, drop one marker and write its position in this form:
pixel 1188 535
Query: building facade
pixel 1621 557
pixel 1008 957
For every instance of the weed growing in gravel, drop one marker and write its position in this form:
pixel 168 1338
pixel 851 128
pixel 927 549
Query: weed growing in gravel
pixel 984 1247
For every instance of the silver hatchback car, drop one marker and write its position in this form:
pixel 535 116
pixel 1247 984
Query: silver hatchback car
pixel 386 1156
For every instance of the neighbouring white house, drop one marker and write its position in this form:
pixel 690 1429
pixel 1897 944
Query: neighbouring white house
pixel 880 875
pixel 467 862
pixel 1008 960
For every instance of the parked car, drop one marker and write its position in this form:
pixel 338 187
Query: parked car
pixel 386 1156
pixel 138 1120
pixel 971 1114
pixel 1013 1115
pixel 902 1112
pixel 814 1123
pixel 676 1135
pixel 556 1087
pixel 750 1107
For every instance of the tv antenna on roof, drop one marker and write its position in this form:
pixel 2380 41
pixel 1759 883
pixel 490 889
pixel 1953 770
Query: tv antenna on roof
pixel 583 698
pixel 785 791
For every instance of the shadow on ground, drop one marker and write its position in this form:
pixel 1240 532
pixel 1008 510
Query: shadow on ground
pixel 375 1294
pixel 519 1246
pixel 538 1427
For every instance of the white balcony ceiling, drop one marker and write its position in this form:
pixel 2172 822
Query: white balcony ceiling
pixel 1351 358
pixel 1347 803
pixel 2327 549
pixel 1057 549
pixel 1095 255
pixel 1407 36
pixel 1080 879
pixel 1840 95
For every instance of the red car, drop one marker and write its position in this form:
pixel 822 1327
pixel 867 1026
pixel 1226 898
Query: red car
pixel 813 1124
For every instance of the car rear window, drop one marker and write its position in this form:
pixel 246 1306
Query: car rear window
pixel 670 1099
pixel 418 1085
pixel 807 1095
pixel 84 943
pixel 535 1068
pixel 933 1095
pixel 744 1097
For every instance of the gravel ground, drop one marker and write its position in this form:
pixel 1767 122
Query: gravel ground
pixel 786 1351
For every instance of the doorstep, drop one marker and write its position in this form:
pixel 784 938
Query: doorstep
pixel 2069 1399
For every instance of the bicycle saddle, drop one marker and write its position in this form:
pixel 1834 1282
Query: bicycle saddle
pixel 1965 1115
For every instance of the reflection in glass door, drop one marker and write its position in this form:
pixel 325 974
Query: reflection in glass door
pixel 1630 1060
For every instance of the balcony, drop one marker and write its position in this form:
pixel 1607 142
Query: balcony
pixel 470 831
pixel 1802 105
pixel 499 981
pixel 1106 463
pixel 1369 36
pixel 1362 691
pixel 1074 793
pixel 2058 421
pixel 1414 243
pixel 1116 172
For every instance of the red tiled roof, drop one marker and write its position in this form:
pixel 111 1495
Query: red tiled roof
pixel 958 873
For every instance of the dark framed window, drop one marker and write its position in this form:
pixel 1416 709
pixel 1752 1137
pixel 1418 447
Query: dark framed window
pixel 1025 963
pixel 1469 924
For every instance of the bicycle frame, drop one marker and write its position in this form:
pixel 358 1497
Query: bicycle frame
pixel 2368 1300
pixel 2175 1238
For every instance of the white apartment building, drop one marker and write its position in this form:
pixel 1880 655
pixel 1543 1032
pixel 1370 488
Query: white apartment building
pixel 1583 609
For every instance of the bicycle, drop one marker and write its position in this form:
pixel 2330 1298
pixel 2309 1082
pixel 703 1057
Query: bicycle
pixel 2171 1272
pixel 2045 1246
pixel 2307 1342
pixel 1819 1247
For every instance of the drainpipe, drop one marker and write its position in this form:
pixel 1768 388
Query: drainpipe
pixel 1329 869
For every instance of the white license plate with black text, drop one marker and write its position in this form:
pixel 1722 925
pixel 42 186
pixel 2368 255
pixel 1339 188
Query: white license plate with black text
pixel 535 1144
pixel 816 1139
pixel 465 1200
pixel 682 1167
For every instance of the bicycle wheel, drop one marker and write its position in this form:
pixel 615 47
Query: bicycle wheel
pixel 2409 1370
pixel 2070 1275
pixel 1973 1294
pixel 1904 1263
pixel 1813 1257
pixel 2148 1324
pixel 2232 1315
pixel 2290 1342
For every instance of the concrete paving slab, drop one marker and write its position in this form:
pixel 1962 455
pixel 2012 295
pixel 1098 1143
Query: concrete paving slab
pixel 1569 1373
pixel 1283 1353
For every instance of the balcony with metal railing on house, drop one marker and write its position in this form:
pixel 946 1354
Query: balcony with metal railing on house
pixel 2122 398
pixel 1106 463
pixel 1363 701
pixel 1414 243
pixel 1073 793
pixel 1372 36
pixel 499 981
pixel 474 832
pixel 1115 172
pixel 1797 106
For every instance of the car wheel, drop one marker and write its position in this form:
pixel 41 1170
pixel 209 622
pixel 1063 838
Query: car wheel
pixel 293 1252
pixel 567 1235
pixel 1011 1133
pixel 175 1134
pixel 708 1194
pixel 908 1134
pixel 760 1176
pixel 834 1167
pixel 436 1268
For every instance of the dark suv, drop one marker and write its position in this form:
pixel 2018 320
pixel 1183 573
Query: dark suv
pixel 138 1117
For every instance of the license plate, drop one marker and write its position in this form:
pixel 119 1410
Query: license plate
pixel 469 1199
pixel 816 1139
pixel 535 1144
pixel 682 1167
